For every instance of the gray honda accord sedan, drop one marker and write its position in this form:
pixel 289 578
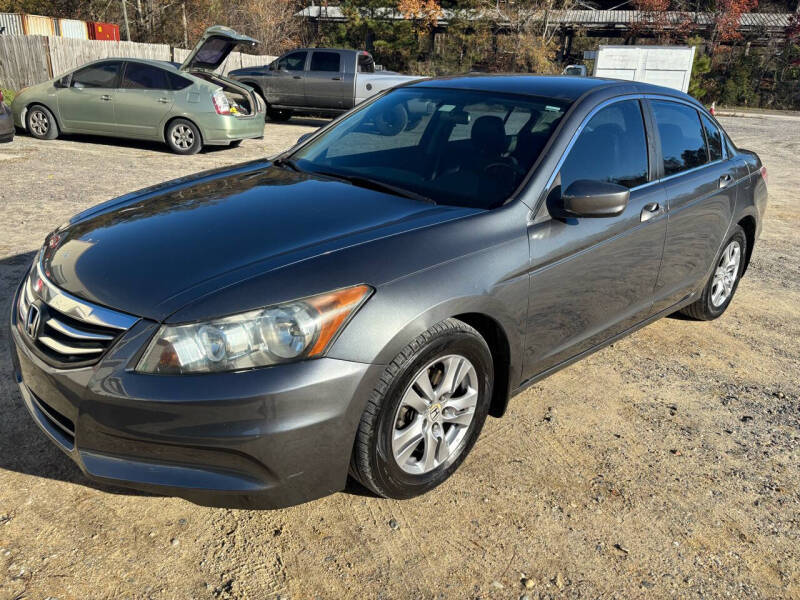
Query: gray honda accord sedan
pixel 362 302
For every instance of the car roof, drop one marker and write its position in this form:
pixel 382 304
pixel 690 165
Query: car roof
pixel 563 87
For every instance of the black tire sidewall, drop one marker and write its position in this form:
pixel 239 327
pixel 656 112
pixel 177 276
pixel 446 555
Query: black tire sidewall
pixel 198 141
pixel 715 311
pixel 391 479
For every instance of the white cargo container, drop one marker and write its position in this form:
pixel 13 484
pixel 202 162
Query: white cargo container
pixel 11 24
pixel 72 28
pixel 669 66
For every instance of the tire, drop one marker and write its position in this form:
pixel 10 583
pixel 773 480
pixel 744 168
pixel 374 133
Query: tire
pixel 183 137
pixel 722 285
pixel 278 114
pixel 41 123
pixel 388 461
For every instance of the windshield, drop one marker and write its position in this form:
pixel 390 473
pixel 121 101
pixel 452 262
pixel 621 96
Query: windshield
pixel 457 147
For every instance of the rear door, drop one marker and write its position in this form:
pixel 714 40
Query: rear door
pixel 143 101
pixel 593 278
pixel 699 179
pixel 286 83
pixel 87 105
pixel 326 84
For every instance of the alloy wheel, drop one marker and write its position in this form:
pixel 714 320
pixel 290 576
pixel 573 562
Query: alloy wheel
pixel 39 122
pixel 725 274
pixel 435 414
pixel 183 137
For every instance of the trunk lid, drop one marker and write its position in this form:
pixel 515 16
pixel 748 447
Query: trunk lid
pixel 214 47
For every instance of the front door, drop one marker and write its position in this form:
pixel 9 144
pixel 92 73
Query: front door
pixel 326 81
pixel 700 183
pixel 87 105
pixel 143 101
pixel 286 81
pixel 593 278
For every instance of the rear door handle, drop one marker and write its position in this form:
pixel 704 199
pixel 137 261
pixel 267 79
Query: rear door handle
pixel 297 76
pixel 336 78
pixel 105 97
pixel 163 100
pixel 725 180
pixel 650 211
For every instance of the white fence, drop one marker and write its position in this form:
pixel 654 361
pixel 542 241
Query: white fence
pixel 30 59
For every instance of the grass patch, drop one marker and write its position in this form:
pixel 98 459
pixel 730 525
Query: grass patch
pixel 8 95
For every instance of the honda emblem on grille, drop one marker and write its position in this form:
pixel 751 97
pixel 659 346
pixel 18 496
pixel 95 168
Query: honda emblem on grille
pixel 32 321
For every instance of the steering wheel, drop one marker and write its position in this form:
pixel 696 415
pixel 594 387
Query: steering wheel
pixel 503 170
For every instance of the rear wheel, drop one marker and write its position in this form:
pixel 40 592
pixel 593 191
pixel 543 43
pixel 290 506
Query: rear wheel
pixel 721 287
pixel 279 114
pixel 426 413
pixel 183 137
pixel 41 123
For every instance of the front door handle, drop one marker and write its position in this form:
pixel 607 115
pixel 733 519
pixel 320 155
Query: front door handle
pixel 105 97
pixel 336 78
pixel 163 100
pixel 650 211
pixel 725 180
pixel 297 76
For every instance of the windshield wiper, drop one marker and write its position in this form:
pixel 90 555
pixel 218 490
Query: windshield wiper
pixel 374 184
pixel 287 162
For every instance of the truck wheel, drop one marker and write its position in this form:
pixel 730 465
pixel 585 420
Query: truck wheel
pixel 426 412
pixel 41 123
pixel 279 114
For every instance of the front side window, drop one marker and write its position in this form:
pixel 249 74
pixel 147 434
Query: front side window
pixel 296 61
pixel 683 145
pixel 457 147
pixel 144 77
pixel 103 75
pixel 612 147
pixel 714 138
pixel 325 61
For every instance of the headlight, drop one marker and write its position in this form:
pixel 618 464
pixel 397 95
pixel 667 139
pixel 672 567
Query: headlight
pixel 267 336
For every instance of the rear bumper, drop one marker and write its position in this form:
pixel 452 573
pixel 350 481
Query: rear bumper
pixel 6 125
pixel 264 438
pixel 223 130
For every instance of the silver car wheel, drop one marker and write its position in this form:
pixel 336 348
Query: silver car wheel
pixel 726 273
pixel 183 137
pixel 435 414
pixel 39 122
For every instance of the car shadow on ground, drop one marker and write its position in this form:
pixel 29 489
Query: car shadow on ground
pixel 24 448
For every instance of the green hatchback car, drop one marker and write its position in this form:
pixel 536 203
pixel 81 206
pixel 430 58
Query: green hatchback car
pixel 187 106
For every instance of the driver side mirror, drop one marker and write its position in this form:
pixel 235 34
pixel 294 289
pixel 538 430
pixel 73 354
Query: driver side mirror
pixel 586 198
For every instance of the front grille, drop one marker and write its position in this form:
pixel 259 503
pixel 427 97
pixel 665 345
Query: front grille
pixel 69 332
pixel 60 427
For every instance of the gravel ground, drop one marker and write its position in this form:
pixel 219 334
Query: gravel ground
pixel 663 466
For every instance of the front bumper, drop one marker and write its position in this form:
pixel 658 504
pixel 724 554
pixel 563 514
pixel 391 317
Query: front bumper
pixel 264 438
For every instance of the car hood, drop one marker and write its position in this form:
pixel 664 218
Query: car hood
pixel 153 252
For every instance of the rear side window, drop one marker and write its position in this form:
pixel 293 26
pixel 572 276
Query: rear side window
pixel 177 82
pixel 325 61
pixel 714 138
pixel 296 61
pixel 144 77
pixel 612 147
pixel 103 75
pixel 683 145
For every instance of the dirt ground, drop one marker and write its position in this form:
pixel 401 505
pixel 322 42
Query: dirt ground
pixel 663 466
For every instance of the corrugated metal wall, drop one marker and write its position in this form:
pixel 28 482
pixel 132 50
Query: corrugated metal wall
pixel 36 25
pixel 74 29
pixel 12 23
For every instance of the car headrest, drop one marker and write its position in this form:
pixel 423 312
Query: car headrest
pixel 489 135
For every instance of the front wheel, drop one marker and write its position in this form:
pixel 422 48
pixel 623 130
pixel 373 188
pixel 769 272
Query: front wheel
pixel 279 114
pixel 426 413
pixel 41 123
pixel 183 137
pixel 721 287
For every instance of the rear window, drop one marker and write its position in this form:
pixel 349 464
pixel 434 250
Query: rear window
pixel 683 144
pixel 325 61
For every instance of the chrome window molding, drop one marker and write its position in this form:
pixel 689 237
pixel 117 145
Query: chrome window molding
pixel 80 309
pixel 604 104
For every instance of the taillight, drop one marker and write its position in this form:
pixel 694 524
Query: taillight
pixel 221 104
pixel 764 175
pixel 1 95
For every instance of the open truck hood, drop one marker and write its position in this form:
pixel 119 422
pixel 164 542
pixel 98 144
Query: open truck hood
pixel 214 47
